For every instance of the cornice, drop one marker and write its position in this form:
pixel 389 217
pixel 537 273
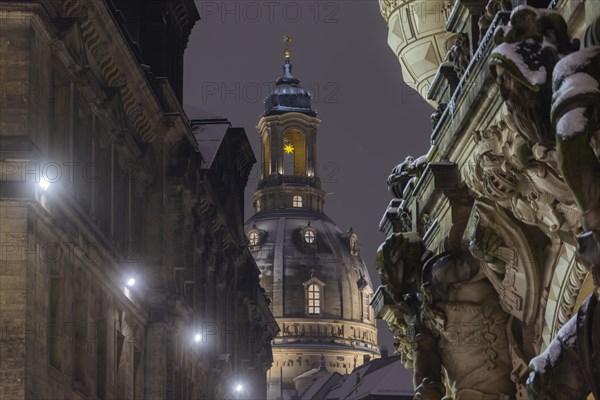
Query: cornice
pixel 291 119
pixel 101 37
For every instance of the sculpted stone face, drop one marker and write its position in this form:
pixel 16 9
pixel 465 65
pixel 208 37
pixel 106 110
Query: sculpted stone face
pixel 499 184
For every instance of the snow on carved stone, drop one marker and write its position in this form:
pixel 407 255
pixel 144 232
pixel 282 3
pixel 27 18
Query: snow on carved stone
pixel 572 123
pixel 571 82
pixel 575 84
pixel 574 62
pixel 539 11
pixel 567 337
pixel 511 52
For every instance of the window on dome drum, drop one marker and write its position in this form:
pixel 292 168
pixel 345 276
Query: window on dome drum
pixel 258 206
pixel 309 236
pixel 253 238
pixel 314 299
pixel 297 201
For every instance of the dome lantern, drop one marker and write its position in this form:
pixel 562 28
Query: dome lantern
pixel 288 95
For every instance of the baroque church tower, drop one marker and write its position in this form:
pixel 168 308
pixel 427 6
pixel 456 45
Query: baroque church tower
pixel 319 286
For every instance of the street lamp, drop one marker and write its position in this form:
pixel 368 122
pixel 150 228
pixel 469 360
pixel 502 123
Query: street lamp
pixel 44 184
pixel 198 338
pixel 130 282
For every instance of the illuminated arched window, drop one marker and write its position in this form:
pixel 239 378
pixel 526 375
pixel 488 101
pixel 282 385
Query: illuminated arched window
pixel 258 206
pixel 313 299
pixel 297 201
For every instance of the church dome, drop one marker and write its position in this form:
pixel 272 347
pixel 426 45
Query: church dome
pixel 297 248
pixel 288 95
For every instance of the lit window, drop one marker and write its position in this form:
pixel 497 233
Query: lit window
pixel 253 238
pixel 314 299
pixel 297 201
pixel 309 236
pixel 258 205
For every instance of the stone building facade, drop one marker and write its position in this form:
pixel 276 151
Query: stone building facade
pixel 124 270
pixel 312 271
pixel 491 262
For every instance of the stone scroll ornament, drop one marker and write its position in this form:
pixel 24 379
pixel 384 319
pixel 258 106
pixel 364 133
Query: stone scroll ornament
pixel 454 326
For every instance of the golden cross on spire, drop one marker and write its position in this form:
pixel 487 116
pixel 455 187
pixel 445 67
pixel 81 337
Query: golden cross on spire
pixel 287 53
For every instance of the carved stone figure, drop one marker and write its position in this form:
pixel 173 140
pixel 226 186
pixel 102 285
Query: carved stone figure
pixel 453 321
pixel 492 8
pixel 460 53
pixel 437 115
pixel 506 251
pixel 403 173
pixel 522 62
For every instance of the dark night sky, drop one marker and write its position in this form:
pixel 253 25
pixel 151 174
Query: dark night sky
pixel 370 119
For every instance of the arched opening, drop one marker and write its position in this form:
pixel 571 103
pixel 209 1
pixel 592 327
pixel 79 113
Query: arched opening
pixel 294 152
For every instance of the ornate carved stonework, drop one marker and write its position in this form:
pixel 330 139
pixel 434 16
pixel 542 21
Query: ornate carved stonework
pixel 460 53
pixel 508 171
pixel 570 292
pixel 531 159
pixel 403 173
pixel 507 259
pixel 451 314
